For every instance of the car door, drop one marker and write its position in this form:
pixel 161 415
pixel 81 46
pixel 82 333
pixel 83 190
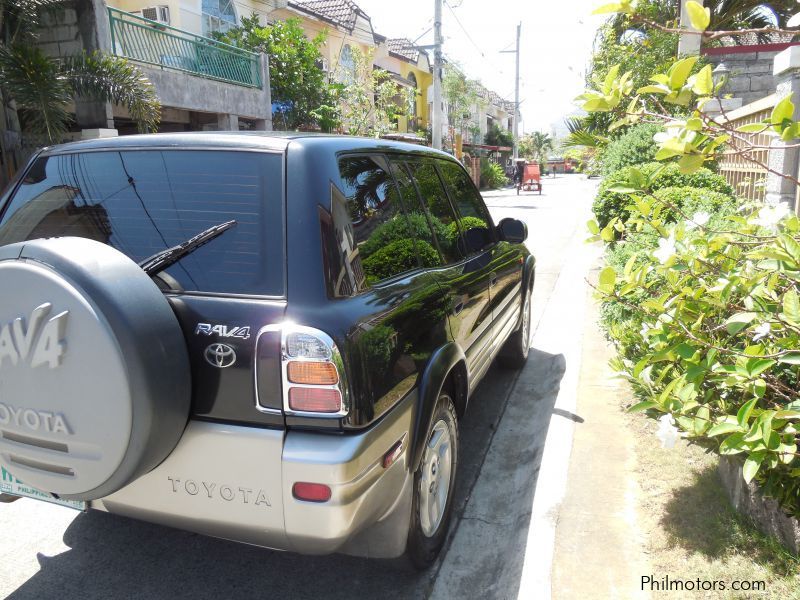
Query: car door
pixel 463 275
pixel 506 260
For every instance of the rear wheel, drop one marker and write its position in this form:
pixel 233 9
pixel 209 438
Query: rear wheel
pixel 434 485
pixel 515 352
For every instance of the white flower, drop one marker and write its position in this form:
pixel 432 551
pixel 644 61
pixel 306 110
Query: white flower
pixel 769 216
pixel 667 432
pixel 699 219
pixel 761 332
pixel 644 331
pixel 666 248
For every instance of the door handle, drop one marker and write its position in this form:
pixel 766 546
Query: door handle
pixel 458 308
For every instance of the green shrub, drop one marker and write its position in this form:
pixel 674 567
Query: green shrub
pixel 706 324
pixel 689 200
pixel 492 175
pixel 398 257
pixel 399 228
pixel 634 147
pixel 608 204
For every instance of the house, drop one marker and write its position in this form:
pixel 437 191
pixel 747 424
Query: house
pixel 347 27
pixel 202 84
pixel 411 69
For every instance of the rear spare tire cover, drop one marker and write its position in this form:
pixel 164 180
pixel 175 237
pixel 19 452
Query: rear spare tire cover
pixel 94 374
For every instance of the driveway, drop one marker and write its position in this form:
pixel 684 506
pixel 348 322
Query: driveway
pixel 49 551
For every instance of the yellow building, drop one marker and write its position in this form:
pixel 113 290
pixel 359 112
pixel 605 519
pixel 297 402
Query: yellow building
pixel 411 69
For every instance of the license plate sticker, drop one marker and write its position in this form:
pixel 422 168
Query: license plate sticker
pixel 11 485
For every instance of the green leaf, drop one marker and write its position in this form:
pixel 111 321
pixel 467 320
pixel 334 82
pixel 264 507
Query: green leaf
pixel 743 416
pixel 691 162
pixel 766 425
pixel 605 9
pixel 752 128
pixel 723 428
pixel 787 415
pixel 739 321
pixel 698 15
pixel 607 279
pixel 756 366
pixel 733 444
pixel 783 110
pixel 653 89
pixel 704 83
pixel 593 227
pixel 751 465
pixel 791 306
pixel 792 358
pixel 647 404
pixel 679 72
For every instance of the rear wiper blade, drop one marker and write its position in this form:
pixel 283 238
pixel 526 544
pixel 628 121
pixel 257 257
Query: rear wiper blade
pixel 166 258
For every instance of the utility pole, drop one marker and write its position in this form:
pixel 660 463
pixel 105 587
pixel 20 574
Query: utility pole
pixel 516 95
pixel 688 43
pixel 436 118
pixel 516 101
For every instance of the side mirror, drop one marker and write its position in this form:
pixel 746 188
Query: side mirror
pixel 512 230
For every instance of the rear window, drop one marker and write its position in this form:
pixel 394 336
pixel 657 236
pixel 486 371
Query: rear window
pixel 144 201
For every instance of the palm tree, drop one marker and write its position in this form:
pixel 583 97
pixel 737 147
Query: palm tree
pixel 536 145
pixel 43 87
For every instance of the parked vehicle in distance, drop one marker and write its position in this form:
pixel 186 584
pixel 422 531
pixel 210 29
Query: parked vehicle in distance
pixel 263 338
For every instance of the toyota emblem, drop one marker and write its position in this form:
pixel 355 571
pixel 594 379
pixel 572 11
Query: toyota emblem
pixel 220 355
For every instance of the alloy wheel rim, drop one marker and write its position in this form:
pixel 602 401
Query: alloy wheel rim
pixel 526 318
pixel 434 484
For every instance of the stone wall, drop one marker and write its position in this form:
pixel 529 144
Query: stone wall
pixel 60 34
pixel 750 73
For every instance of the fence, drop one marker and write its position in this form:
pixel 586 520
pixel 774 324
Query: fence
pixel 152 43
pixel 747 178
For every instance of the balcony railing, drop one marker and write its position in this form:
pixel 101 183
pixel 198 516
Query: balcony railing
pixel 153 43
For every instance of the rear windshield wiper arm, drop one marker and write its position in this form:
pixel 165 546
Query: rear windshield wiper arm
pixel 166 258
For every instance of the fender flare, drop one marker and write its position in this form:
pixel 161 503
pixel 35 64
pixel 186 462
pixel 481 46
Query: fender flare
pixel 439 366
pixel 528 280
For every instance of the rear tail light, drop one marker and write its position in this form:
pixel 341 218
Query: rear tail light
pixel 311 492
pixel 312 373
pixel 321 400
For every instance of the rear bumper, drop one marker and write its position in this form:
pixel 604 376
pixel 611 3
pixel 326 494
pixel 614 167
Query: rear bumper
pixel 236 483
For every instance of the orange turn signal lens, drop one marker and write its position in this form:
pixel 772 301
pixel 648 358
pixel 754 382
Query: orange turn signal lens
pixel 312 373
pixel 319 400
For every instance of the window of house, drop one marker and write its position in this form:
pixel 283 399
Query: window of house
pixel 412 113
pixel 218 15
pixel 347 64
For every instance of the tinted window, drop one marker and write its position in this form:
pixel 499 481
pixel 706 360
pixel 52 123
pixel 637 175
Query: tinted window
pixel 441 214
pixel 374 239
pixel 142 202
pixel 475 222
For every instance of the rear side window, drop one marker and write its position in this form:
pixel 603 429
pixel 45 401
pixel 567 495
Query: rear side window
pixel 144 201
pixel 375 242
pixel 440 212
pixel 476 224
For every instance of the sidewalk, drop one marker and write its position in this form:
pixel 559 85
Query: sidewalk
pixel 598 546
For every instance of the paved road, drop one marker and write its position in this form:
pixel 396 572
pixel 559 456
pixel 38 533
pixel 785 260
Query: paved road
pixel 53 552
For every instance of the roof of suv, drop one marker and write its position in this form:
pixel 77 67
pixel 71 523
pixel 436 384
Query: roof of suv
pixel 253 140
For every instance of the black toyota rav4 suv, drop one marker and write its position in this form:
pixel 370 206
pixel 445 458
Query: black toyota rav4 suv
pixel 265 338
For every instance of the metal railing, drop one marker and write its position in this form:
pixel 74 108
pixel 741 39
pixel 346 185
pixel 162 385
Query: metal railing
pixel 153 43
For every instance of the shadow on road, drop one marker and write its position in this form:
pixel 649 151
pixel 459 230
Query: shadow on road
pixel 112 556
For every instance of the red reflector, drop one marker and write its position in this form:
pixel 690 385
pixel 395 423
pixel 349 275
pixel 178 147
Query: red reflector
pixel 393 454
pixel 321 400
pixel 311 492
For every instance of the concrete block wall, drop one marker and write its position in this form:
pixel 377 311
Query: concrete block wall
pixel 60 33
pixel 750 74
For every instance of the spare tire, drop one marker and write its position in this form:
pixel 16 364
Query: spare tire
pixel 94 373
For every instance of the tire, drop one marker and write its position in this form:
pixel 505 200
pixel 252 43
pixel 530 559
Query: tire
pixel 515 352
pixel 432 506
pixel 94 366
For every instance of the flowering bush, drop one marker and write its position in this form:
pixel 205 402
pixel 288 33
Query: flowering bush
pixel 705 314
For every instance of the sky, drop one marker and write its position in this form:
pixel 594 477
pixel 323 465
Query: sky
pixel 555 46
